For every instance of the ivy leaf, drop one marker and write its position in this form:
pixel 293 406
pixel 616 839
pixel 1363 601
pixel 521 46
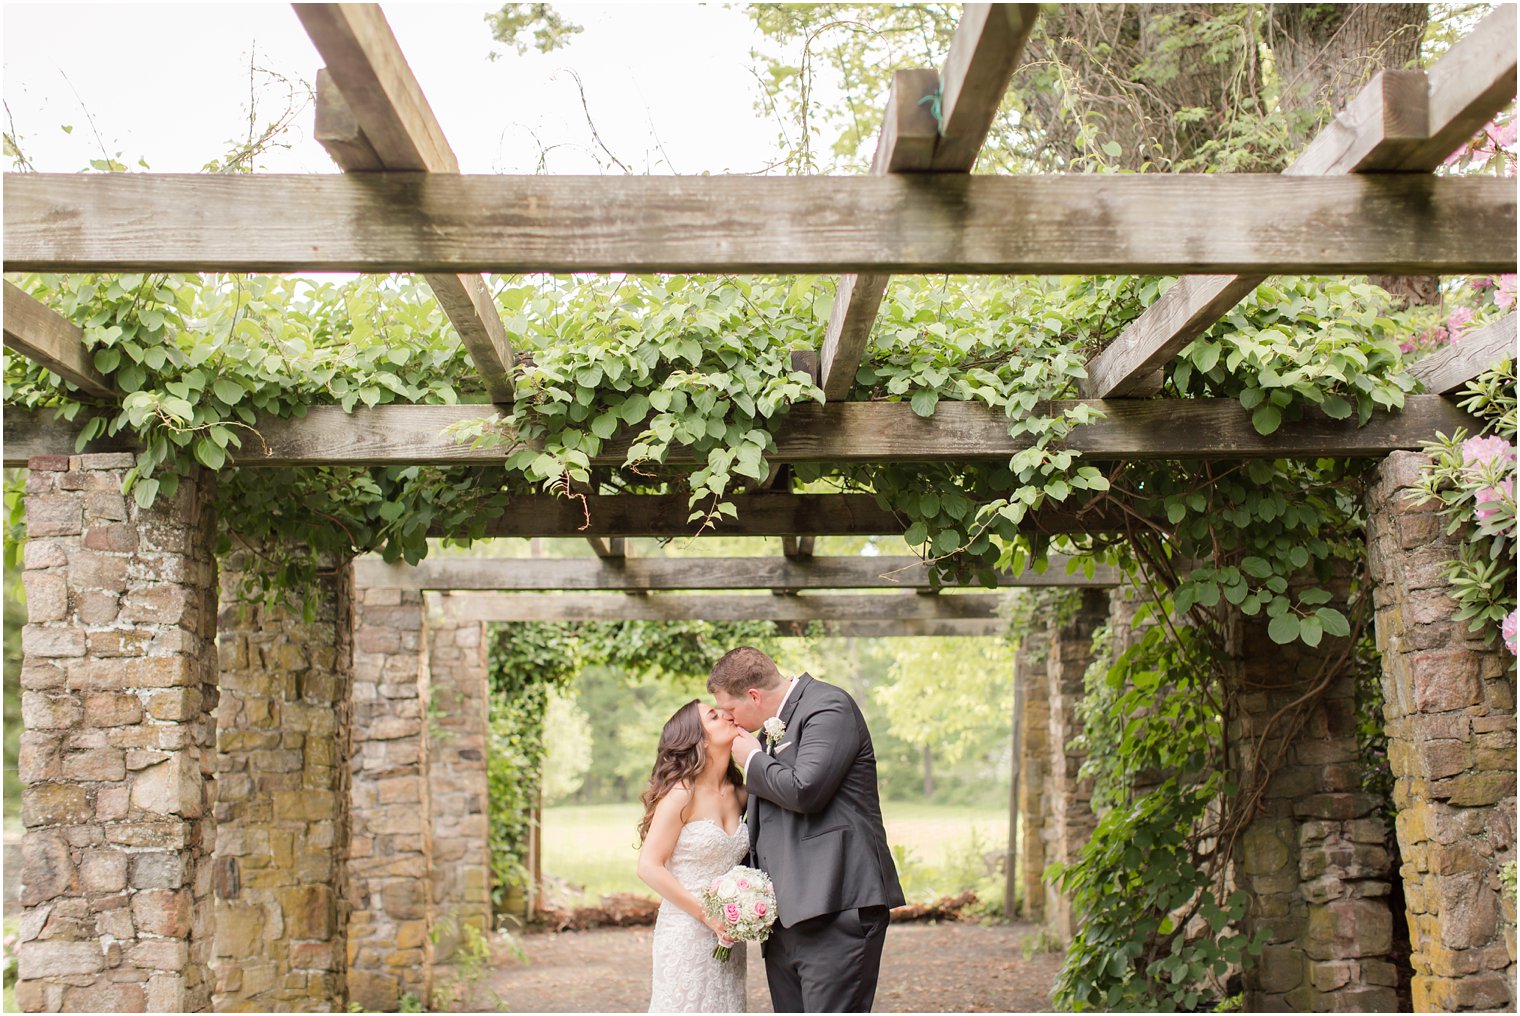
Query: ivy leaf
pixel 605 425
pixel 1335 407
pixel 106 360
pixel 1309 630
pixel 1333 622
pixel 228 391
pixel 924 400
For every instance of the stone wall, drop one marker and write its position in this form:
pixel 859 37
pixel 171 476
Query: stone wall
pixel 1070 797
pixel 457 786
pixel 1034 772
pixel 1313 860
pixel 282 800
pixel 390 848
pixel 1449 703
pixel 118 687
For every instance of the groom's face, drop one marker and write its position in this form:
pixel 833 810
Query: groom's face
pixel 746 711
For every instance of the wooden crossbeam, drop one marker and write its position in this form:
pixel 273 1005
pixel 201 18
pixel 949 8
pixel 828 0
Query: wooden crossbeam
pixel 687 573
pixel 839 432
pixel 797 546
pixel 903 627
pixel 1467 356
pixel 371 116
pixel 665 516
pixel 51 340
pixel 1401 121
pixel 609 548
pixel 904 223
pixel 983 52
pixel 732 607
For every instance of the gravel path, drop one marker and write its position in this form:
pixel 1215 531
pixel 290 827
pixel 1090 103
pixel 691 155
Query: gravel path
pixel 926 968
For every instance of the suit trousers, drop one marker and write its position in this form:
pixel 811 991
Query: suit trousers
pixel 828 963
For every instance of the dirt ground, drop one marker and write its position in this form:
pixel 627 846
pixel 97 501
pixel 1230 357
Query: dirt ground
pixel 925 968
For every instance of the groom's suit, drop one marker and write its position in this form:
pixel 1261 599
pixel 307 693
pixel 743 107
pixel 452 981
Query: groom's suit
pixel 815 826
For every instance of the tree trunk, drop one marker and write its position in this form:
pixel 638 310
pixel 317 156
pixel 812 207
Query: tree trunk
pixel 928 772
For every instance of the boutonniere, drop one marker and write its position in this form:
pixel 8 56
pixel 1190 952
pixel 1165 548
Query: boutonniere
pixel 773 730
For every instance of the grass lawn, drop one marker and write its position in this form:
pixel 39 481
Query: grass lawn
pixel 596 846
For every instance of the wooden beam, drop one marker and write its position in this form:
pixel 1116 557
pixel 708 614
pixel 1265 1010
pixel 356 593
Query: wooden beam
pixel 797 546
pixel 51 340
pixel 906 145
pixel 1469 355
pixel 609 548
pixel 1146 224
pixel 664 516
pixel 733 607
pixel 909 627
pixel 983 53
pixel 1402 120
pixel 687 573
pixel 372 116
pixel 834 433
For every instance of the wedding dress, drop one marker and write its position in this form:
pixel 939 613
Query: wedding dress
pixel 686 976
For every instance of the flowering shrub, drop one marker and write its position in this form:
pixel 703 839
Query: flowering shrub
pixel 1474 480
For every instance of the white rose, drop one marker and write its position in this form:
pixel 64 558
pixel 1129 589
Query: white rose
pixel 728 889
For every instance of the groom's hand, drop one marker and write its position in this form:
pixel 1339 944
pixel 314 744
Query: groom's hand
pixel 744 745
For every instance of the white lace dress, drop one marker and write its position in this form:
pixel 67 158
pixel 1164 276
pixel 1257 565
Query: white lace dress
pixel 686 976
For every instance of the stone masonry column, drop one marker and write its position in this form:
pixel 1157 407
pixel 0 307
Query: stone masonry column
pixel 1071 798
pixel 390 951
pixel 1034 771
pixel 1313 860
pixel 457 785
pixel 282 800
pixel 119 684
pixel 1449 706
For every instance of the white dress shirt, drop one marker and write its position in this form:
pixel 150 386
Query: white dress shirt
pixel 780 706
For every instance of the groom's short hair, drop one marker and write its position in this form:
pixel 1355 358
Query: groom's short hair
pixel 741 669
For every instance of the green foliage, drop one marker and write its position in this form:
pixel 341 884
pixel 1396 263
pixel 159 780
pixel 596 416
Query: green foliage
pixel 1145 874
pixel 513 23
pixel 1473 481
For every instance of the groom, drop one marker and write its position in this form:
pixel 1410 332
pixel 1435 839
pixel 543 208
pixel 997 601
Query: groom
pixel 815 827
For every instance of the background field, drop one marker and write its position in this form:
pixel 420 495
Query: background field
pixel 940 848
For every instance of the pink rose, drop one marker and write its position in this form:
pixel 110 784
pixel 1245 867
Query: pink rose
pixel 761 908
pixel 731 912
pixel 1509 629
pixel 744 883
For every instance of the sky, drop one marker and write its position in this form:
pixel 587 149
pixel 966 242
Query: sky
pixel 668 86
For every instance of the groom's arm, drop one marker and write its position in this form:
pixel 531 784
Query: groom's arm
pixel 821 758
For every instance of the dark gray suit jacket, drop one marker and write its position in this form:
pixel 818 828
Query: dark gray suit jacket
pixel 814 812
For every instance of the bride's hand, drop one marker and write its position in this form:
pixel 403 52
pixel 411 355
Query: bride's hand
pixel 718 928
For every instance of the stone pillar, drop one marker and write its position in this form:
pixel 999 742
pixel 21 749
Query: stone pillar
pixel 1034 771
pixel 1070 800
pixel 1449 705
pixel 282 800
pixel 119 684
pixel 390 952
pixel 1313 860
pixel 457 786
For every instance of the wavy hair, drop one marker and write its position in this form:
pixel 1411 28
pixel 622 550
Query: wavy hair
pixel 682 754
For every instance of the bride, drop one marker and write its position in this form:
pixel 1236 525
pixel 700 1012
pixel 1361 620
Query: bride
pixel 693 831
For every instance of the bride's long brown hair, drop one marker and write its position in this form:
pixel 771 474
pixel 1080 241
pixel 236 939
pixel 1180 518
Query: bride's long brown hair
pixel 681 756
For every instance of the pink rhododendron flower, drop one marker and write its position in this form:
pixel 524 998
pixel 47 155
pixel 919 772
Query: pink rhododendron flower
pixel 1481 283
pixel 1509 629
pixel 731 912
pixel 1479 452
pixel 1460 319
pixel 1504 292
pixel 1504 136
pixel 1488 495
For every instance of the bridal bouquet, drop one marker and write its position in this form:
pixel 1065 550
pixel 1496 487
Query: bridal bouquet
pixel 745 901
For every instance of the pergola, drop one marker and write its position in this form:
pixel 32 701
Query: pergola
pixel 1359 199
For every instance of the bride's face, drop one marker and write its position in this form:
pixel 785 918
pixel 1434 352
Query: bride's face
pixel 720 730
